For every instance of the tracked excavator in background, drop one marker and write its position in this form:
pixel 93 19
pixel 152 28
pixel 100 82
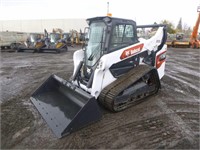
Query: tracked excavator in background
pixel 114 69
pixel 52 42
pixel 30 43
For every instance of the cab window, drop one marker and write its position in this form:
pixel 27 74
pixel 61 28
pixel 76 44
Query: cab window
pixel 122 35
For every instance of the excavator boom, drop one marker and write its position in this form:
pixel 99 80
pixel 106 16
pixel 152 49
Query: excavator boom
pixel 196 28
pixel 194 41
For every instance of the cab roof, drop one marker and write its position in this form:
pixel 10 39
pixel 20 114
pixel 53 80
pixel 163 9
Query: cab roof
pixel 108 19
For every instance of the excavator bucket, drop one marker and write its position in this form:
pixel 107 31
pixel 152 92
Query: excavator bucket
pixel 64 107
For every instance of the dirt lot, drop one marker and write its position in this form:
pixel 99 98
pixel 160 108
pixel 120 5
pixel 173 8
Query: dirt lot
pixel 167 120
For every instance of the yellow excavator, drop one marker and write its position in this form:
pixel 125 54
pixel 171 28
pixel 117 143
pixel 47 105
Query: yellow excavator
pixel 76 38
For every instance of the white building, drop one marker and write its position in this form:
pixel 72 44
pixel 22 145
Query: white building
pixel 40 25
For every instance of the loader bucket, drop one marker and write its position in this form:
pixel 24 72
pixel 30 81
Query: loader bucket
pixel 64 107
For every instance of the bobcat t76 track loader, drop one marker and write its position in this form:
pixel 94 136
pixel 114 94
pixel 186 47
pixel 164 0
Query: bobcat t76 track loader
pixel 115 69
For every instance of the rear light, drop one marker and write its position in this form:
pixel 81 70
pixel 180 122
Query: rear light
pixel 160 59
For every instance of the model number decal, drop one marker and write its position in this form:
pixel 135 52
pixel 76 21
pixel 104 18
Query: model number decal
pixel 131 51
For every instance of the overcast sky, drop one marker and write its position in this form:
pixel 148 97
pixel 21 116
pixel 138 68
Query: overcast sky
pixel 143 11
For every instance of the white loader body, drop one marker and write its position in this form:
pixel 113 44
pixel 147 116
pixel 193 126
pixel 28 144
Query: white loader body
pixel 102 75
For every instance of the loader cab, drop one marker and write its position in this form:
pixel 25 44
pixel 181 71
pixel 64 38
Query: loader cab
pixel 54 37
pixel 107 34
pixel 123 34
pixel 34 37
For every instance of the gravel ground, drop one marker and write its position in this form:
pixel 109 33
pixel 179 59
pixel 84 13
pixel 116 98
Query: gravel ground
pixel 167 120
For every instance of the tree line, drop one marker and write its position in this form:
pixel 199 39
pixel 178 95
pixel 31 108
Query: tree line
pixel 171 29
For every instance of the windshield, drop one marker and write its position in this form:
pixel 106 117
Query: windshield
pixel 34 37
pixel 95 44
pixel 54 37
pixel 65 36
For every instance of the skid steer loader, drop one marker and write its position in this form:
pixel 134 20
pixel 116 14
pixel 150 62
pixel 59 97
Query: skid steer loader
pixel 115 69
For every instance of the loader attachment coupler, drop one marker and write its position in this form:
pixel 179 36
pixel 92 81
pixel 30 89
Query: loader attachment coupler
pixel 64 107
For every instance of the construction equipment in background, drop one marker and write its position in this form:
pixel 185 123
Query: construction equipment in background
pixel 194 41
pixel 181 41
pixel 81 38
pixel 170 39
pixel 12 40
pixel 33 37
pixel 30 42
pixel 52 42
pixel 115 68
pixel 35 42
pixel 45 42
pixel 76 38
pixel 67 38
pixel 62 43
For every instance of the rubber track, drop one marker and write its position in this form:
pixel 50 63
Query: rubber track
pixel 109 93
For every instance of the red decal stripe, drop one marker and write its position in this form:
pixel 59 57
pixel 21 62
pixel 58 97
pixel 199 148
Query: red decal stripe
pixel 131 51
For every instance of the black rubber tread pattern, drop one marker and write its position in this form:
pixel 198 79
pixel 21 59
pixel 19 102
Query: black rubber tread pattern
pixel 109 93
